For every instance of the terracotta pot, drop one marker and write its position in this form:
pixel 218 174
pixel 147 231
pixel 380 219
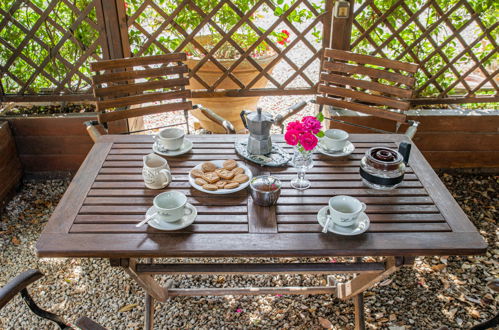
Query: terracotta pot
pixel 227 107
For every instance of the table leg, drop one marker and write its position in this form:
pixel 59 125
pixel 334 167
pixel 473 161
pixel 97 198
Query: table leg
pixel 149 314
pixel 358 302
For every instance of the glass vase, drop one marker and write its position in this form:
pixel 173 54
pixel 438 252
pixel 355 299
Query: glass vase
pixel 302 161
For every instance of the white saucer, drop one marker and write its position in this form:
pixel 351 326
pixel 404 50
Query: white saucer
pixel 185 147
pixel 347 150
pixel 356 229
pixel 185 221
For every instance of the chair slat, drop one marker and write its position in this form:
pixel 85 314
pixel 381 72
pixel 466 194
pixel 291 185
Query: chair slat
pixel 139 87
pixel 138 74
pixel 371 72
pixel 364 97
pixel 137 61
pixel 366 59
pixel 144 111
pixel 370 85
pixel 382 113
pixel 144 98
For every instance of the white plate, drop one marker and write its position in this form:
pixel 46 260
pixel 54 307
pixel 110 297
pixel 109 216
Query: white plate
pixel 185 147
pixel 185 221
pixel 357 228
pixel 219 163
pixel 347 150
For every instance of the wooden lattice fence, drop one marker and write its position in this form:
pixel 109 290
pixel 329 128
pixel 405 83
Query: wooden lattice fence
pixel 46 45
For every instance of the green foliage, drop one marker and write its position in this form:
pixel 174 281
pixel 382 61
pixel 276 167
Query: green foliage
pixel 413 45
pixel 228 18
pixel 56 45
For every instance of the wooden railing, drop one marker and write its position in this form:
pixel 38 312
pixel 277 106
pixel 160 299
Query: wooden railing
pixel 45 51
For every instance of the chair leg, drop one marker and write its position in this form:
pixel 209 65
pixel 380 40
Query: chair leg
pixel 358 302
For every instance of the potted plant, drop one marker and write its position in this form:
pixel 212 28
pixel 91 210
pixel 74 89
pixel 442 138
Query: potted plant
pixel 208 40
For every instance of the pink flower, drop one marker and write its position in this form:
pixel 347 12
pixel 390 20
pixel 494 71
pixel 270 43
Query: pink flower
pixel 292 137
pixel 239 310
pixel 308 141
pixel 295 126
pixel 310 123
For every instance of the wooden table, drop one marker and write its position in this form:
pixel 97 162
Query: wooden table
pixel 96 217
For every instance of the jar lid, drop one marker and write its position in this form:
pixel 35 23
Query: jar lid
pixel 383 158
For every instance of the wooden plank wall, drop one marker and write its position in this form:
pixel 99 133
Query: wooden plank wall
pixel 10 166
pixel 51 144
pixel 446 141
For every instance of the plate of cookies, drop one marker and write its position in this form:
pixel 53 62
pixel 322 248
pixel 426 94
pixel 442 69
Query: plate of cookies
pixel 220 176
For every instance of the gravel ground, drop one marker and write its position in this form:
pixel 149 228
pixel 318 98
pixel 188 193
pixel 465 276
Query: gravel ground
pixel 447 291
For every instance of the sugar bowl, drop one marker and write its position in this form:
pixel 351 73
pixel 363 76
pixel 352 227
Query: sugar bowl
pixel 265 190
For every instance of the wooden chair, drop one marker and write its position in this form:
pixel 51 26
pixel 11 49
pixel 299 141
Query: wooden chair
pixel 138 86
pixel 371 85
pixel 19 284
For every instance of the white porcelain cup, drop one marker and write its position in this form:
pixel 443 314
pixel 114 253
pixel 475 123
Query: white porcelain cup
pixel 171 206
pixel 345 210
pixel 170 138
pixel 335 139
pixel 156 172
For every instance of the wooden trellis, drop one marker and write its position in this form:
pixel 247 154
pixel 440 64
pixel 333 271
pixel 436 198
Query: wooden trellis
pixel 426 35
pixel 67 76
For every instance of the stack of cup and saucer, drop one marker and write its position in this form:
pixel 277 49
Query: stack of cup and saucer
pixel 344 215
pixel 171 142
pixel 170 211
pixel 335 143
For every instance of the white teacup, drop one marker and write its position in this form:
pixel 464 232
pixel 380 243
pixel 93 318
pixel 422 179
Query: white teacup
pixel 170 138
pixel 335 139
pixel 345 210
pixel 171 206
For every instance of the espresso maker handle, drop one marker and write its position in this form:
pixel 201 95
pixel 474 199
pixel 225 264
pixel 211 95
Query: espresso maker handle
pixel 243 118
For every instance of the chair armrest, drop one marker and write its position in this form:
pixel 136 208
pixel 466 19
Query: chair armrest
pixel 413 128
pixel 17 284
pixel 94 129
pixel 292 110
pixel 227 125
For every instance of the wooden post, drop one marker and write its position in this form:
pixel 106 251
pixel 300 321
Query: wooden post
pixel 342 30
pixel 112 20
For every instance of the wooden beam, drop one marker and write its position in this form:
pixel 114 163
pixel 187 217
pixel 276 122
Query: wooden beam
pixel 279 268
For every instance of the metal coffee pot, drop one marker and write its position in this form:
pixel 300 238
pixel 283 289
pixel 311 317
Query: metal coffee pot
pixel 258 124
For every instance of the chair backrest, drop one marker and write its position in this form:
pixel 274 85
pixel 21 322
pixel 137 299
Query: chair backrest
pixel 133 81
pixel 367 84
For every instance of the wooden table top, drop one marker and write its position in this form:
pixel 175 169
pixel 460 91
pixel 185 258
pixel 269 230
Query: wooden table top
pixel 96 217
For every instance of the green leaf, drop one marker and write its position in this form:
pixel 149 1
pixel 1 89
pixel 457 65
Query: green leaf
pixel 320 117
pixel 320 134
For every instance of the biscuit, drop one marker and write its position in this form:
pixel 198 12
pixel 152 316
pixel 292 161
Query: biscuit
pixel 229 164
pixel 211 177
pixel 231 185
pixel 210 187
pixel 225 174
pixel 200 181
pixel 238 170
pixel 240 178
pixel 221 184
pixel 208 167
pixel 197 173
